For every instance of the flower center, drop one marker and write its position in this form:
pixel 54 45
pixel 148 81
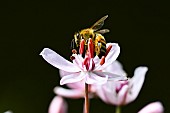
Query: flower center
pixel 88 64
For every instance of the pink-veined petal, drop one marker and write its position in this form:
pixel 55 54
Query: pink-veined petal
pixel 155 107
pixel 92 78
pixel 110 92
pixel 69 93
pixel 112 55
pixel 122 95
pixel 136 83
pixel 58 61
pixel 101 93
pixel 105 93
pixel 58 105
pixel 72 78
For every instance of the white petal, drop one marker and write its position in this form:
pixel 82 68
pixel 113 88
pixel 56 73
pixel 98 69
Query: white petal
pixel 58 61
pixel 96 60
pixel 155 107
pixel 58 105
pixel 92 78
pixel 65 73
pixel 111 76
pixel 112 55
pixel 77 85
pixel 136 83
pixel 72 78
pixel 78 60
pixel 116 68
pixel 69 93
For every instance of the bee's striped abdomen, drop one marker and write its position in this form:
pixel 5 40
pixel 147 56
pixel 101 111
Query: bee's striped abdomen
pixel 100 45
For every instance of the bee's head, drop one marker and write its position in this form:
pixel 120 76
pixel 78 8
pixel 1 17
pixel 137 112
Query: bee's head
pixel 87 33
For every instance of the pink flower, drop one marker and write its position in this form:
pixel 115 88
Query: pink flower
pixel 155 107
pixel 58 105
pixel 124 91
pixel 76 90
pixel 88 69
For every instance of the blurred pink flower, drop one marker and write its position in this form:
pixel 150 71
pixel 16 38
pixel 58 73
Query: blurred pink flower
pixel 87 69
pixel 58 105
pixel 155 107
pixel 124 91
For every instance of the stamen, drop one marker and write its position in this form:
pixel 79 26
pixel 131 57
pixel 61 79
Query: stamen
pixel 102 61
pixel 85 63
pixel 72 57
pixel 74 51
pixel 91 48
pixel 108 50
pixel 91 64
pixel 81 49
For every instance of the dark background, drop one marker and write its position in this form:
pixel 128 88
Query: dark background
pixel 141 27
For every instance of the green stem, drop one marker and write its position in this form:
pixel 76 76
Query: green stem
pixel 118 109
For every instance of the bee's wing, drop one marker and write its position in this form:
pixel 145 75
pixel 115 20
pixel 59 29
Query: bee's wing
pixel 99 23
pixel 103 31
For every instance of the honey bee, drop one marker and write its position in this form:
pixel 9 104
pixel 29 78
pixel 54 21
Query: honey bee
pixel 95 34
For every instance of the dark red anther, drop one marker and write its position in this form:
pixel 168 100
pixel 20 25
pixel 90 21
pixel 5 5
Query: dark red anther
pixel 81 49
pixel 74 51
pixel 72 57
pixel 108 50
pixel 91 48
pixel 102 61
